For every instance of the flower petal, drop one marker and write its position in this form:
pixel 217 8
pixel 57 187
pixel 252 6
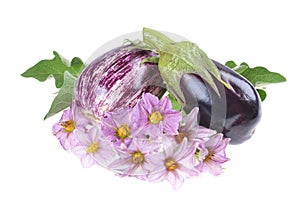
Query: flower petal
pixel 56 128
pixel 157 175
pixel 87 161
pixel 81 120
pixel 94 134
pixel 150 100
pixel 79 150
pixel 213 167
pixel 171 122
pixel 184 150
pixel 123 116
pixel 155 162
pixel 141 112
pixel 180 152
pixel 165 104
pixel 202 132
pixel 175 180
pixel 214 141
pixel 108 123
pixel 168 147
pixel 220 158
pixel 221 147
pixel 191 119
pixel 188 172
pixel 83 137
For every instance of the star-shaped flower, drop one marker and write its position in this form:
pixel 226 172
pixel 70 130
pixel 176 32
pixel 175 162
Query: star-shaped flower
pixel 173 164
pixel 94 149
pixel 211 154
pixel 191 129
pixel 157 114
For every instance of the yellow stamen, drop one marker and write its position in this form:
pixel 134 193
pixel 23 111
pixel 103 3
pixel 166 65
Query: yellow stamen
pixel 171 165
pixel 93 148
pixel 137 158
pixel 69 126
pixel 123 131
pixel 155 117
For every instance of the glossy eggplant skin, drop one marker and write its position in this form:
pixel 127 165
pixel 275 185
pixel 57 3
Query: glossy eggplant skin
pixel 235 113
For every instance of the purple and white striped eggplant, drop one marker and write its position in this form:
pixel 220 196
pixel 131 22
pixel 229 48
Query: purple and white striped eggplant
pixel 117 79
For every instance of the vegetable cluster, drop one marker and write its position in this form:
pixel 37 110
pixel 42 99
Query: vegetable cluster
pixel 154 109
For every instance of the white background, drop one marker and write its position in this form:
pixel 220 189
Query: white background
pixel 33 166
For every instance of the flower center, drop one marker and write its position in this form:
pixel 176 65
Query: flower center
pixel 123 131
pixel 171 165
pixel 69 126
pixel 155 117
pixel 198 154
pixel 137 158
pixel 210 156
pixel 93 148
pixel 180 136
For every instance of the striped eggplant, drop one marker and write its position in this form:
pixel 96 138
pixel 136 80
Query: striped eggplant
pixel 117 79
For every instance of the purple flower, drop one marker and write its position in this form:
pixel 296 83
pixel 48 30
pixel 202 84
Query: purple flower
pixel 157 114
pixel 93 149
pixel 131 161
pixel 174 163
pixel 64 129
pixel 191 129
pixel 211 154
pixel 118 127
pixel 72 119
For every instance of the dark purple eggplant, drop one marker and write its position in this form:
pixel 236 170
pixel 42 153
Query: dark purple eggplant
pixel 235 113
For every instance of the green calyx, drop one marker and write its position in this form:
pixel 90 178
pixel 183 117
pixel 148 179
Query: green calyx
pixel 179 58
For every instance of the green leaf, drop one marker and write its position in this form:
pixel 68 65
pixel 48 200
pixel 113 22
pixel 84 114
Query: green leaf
pixel 230 64
pixel 175 104
pixel 152 59
pixel 241 68
pixel 55 67
pixel 77 65
pixel 260 76
pixel 262 94
pixel 64 97
pixel 179 58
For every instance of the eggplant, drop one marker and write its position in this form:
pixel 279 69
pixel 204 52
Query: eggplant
pixel 235 113
pixel 117 79
pixel 120 77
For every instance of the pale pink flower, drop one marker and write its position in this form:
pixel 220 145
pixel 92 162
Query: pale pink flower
pixel 192 130
pixel 211 154
pixel 64 129
pixel 157 114
pixel 94 149
pixel 131 161
pixel 118 127
pixel 72 119
pixel 173 164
